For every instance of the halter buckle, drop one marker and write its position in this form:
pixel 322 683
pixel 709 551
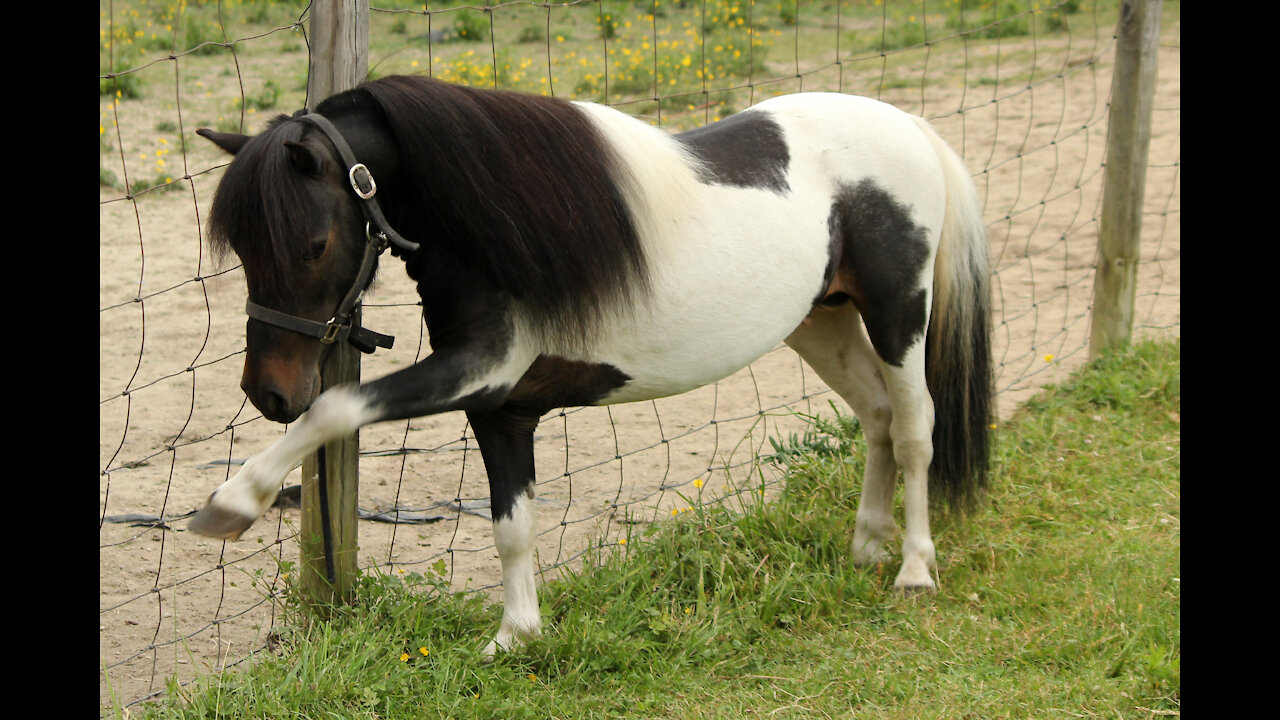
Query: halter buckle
pixel 332 330
pixel 356 185
pixel 378 240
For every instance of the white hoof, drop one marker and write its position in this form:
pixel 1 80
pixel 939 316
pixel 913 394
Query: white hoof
pixel 871 542
pixel 917 571
pixel 509 638
pixel 234 506
pixel 870 552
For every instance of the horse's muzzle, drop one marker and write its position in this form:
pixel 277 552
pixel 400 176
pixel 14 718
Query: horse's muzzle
pixel 281 394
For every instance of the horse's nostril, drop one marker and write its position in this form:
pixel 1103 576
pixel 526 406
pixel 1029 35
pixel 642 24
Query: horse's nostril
pixel 276 407
pixel 272 403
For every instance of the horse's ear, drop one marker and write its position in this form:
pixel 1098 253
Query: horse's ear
pixel 305 159
pixel 231 142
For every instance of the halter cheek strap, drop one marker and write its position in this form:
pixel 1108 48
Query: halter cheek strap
pixel 340 326
pixel 361 180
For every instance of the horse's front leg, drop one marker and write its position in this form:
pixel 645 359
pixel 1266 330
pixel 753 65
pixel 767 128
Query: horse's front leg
pixel 462 379
pixel 506 444
pixel 239 501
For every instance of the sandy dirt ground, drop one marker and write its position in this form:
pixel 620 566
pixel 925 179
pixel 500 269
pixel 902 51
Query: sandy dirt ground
pixel 174 423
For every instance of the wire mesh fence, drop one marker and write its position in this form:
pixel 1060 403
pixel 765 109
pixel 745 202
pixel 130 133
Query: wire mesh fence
pixel 1021 90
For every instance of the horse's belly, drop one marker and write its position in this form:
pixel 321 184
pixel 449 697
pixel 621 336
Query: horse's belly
pixel 660 367
pixel 718 302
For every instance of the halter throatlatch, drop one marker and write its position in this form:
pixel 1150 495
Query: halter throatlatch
pixel 379 234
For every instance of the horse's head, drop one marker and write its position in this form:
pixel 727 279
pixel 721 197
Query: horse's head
pixel 286 208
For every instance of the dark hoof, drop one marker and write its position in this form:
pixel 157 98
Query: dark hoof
pixel 215 522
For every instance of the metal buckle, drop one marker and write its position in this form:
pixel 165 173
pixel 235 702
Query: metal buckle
pixel 378 240
pixel 331 331
pixel 355 185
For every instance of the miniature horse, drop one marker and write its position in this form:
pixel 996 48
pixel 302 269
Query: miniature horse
pixel 568 254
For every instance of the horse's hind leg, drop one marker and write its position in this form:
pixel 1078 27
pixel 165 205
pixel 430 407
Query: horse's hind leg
pixel 896 413
pixel 912 431
pixel 506 444
pixel 834 343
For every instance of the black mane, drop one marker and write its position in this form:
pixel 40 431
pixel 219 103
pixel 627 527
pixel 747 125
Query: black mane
pixel 259 210
pixel 518 189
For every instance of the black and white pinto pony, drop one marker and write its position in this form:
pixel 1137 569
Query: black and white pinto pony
pixel 568 254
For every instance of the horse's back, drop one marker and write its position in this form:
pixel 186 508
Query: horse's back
pixel 737 225
pixel 841 140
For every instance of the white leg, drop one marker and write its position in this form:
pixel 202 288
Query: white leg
pixel 834 343
pixel 874 527
pixel 521 616
pixel 896 412
pixel 241 500
pixel 912 432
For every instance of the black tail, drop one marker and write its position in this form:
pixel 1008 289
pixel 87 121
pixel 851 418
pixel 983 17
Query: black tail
pixel 958 346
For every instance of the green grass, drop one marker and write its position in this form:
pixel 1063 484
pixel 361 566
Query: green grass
pixel 1060 597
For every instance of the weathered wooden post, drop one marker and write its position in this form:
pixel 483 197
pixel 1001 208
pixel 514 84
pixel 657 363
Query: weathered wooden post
pixel 1128 138
pixel 339 39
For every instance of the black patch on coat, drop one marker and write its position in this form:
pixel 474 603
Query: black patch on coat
pixel 505 435
pixel 881 254
pixel 553 382
pixel 506 444
pixel 746 150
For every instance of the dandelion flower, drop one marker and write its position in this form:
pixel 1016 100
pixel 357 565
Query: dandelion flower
pixel 1048 358
pixel 425 652
pixel 404 657
pixel 697 483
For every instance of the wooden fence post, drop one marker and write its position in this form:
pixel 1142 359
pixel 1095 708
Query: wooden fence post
pixel 1128 138
pixel 339 40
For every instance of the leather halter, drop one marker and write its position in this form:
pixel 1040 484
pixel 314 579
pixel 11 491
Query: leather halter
pixel 379 235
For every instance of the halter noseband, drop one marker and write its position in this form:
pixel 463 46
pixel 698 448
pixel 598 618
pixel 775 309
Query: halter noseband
pixel 379 235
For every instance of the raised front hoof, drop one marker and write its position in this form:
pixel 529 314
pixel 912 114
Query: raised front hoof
pixel 217 522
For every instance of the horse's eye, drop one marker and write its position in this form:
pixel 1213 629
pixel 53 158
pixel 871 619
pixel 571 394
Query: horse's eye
pixel 315 249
